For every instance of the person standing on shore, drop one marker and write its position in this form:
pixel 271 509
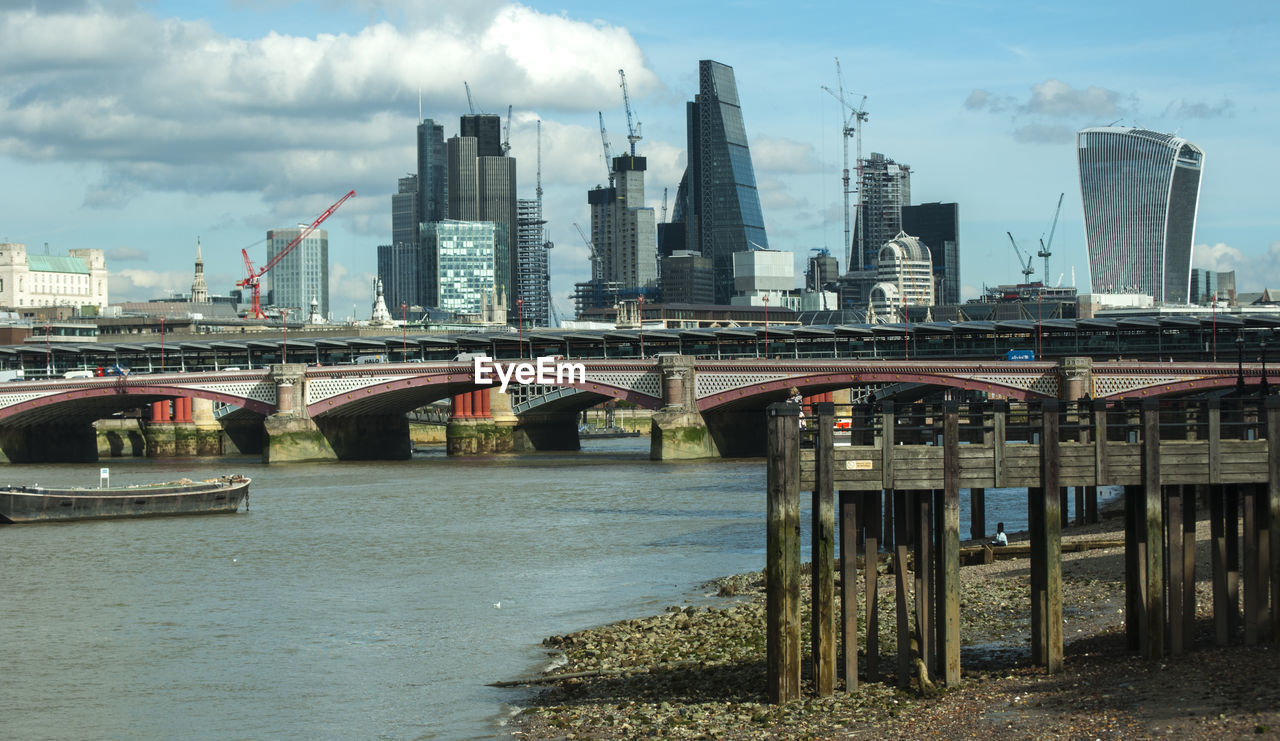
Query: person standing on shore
pixel 1001 538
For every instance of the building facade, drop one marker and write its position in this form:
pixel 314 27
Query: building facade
pixel 762 277
pixel 1140 190
pixel 721 204
pixel 623 230
pixel 938 226
pixel 433 173
pixel 884 187
pixel 905 270
pixel 400 272
pixel 466 263
pixel 302 274
pixel 78 280
pixel 687 278
pixel 482 187
pixel 532 272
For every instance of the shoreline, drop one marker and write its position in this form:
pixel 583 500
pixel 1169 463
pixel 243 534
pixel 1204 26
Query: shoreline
pixel 698 672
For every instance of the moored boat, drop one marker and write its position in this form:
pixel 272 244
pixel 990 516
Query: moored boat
pixel 21 504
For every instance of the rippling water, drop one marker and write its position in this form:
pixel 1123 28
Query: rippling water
pixel 356 600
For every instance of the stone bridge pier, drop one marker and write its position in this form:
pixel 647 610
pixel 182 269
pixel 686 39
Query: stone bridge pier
pixel 677 430
pixel 292 436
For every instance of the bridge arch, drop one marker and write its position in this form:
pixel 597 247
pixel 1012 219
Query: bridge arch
pixel 819 382
pixel 98 401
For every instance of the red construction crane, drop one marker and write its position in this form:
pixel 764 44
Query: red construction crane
pixel 255 309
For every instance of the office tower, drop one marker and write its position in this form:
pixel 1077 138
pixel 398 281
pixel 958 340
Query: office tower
pixel 938 226
pixel 486 129
pixel 404 213
pixel 884 187
pixel 199 289
pixel 905 270
pixel 483 188
pixel 1140 190
pixel 823 269
pixel 761 277
pixel 687 278
pixel 720 205
pixel 400 270
pixel 433 173
pixel 301 274
pixel 464 261
pixel 532 273
pixel 624 230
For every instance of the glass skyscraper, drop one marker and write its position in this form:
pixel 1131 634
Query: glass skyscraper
pixel 721 206
pixel 303 273
pixel 1140 190
pixel 466 262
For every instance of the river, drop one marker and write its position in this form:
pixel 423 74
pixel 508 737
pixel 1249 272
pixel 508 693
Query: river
pixel 357 600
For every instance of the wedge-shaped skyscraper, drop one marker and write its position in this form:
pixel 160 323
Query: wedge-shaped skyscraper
pixel 1140 190
pixel 717 199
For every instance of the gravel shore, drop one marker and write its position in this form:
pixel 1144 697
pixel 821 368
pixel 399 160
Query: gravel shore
pixel 699 672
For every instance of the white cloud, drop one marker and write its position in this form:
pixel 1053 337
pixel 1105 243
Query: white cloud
pixel 350 289
pixel 1059 99
pixel 125 254
pixel 132 284
pixel 783 156
pixel 1253 272
pixel 1217 257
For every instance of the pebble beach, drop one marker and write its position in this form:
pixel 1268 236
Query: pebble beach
pixel 698 672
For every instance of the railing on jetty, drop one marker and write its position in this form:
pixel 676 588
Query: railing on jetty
pixel 899 471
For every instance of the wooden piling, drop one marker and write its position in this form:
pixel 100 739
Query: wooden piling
pixel 871 516
pixel 1273 508
pixel 900 534
pixel 1152 533
pixel 977 513
pixel 1091 504
pixel 1133 558
pixel 782 567
pixel 949 550
pixel 849 585
pixel 1231 499
pixel 923 561
pixel 1189 493
pixel 1173 514
pixel 1218 557
pixel 1045 518
pixel 823 546
pixel 1249 574
pixel 886 462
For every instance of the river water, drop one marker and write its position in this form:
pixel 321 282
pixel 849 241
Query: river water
pixel 357 600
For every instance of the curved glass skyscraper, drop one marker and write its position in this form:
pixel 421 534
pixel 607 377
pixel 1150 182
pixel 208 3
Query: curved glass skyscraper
pixel 718 200
pixel 1140 190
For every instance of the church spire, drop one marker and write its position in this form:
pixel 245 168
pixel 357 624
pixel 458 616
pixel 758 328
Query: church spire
pixel 199 289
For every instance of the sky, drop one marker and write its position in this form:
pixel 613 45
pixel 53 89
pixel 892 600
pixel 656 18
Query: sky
pixel 140 126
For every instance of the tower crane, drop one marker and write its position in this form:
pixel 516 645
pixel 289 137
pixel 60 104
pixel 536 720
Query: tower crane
pixel 1023 262
pixel 252 281
pixel 506 134
pixel 595 258
pixel 546 244
pixel 608 150
pixel 633 132
pixel 470 103
pixel 854 117
pixel 1044 246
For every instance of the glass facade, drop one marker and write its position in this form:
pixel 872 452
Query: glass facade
pixel 398 268
pixel 302 274
pixel 718 199
pixel 466 264
pixel 1140 190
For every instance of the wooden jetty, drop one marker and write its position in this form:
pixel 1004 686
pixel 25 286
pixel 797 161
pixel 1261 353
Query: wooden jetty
pixel 897 486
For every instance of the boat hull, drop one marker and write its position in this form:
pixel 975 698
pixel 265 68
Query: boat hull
pixel 34 504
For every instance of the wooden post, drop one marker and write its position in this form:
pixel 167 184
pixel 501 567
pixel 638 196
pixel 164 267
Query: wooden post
pixel 1133 557
pixel 782 566
pixel 1232 521
pixel 849 586
pixel 1250 573
pixel 1064 509
pixel 923 558
pixel 1101 457
pixel 1175 566
pixel 1189 492
pixel 1091 504
pixel 1046 547
pixel 1079 492
pixel 1152 532
pixel 823 546
pixel 900 540
pixel 1273 509
pixel 949 548
pixel 977 514
pixel 886 464
pixel 1214 415
pixel 1218 551
pixel 871 551
pixel 999 416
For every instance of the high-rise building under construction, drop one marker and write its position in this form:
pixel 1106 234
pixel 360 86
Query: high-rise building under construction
pixel 884 187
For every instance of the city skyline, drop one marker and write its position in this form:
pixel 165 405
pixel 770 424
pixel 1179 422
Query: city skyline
pixel 171 122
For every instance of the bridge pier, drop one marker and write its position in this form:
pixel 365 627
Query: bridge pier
pixel 290 435
pixel 678 430
pixel 481 422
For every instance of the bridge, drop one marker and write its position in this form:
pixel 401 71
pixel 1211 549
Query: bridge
pixel 702 407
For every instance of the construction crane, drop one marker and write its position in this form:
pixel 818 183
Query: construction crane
pixel 595 258
pixel 255 275
pixel 506 134
pixel 470 103
pixel 608 150
pixel 633 132
pixel 1023 262
pixel 1044 246
pixel 546 244
pixel 854 117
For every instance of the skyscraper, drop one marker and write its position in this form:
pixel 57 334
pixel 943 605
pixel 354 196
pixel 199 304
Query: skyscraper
pixel 483 188
pixel 884 187
pixel 721 206
pixel 433 176
pixel 400 270
pixel 404 213
pixel 531 254
pixel 464 261
pixel 1140 190
pixel 938 226
pixel 303 273
pixel 624 230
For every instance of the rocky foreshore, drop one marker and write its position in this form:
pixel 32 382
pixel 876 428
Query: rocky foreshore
pixel 699 672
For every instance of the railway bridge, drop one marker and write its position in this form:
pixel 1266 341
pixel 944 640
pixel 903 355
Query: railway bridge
pixel 702 407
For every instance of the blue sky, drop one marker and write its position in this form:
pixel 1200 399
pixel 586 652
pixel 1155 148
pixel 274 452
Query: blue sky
pixel 137 127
